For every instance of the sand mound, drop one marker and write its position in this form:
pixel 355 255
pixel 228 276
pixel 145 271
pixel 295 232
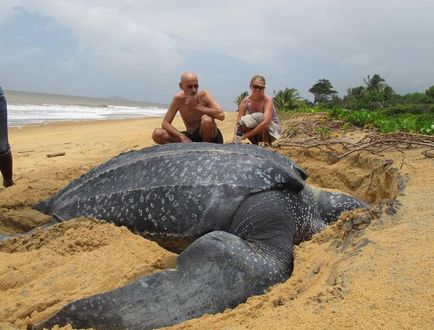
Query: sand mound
pixel 42 272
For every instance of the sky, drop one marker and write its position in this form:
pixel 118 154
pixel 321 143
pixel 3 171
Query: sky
pixel 137 49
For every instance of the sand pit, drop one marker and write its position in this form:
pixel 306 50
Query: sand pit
pixel 368 270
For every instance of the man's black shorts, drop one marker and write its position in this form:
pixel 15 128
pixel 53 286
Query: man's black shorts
pixel 195 136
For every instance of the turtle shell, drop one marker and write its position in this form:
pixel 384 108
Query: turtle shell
pixel 187 189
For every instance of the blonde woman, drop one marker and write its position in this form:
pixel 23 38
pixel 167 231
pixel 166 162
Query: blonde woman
pixel 257 120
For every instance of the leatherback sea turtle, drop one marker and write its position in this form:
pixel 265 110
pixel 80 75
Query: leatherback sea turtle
pixel 247 206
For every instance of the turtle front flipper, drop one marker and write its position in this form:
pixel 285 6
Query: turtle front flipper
pixel 332 204
pixel 219 270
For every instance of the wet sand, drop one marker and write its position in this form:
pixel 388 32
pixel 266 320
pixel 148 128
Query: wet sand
pixel 377 272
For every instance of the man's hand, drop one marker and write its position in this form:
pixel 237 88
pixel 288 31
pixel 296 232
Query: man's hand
pixel 191 101
pixel 184 139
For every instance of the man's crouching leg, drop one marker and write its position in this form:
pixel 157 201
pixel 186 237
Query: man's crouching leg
pixel 161 136
pixel 208 129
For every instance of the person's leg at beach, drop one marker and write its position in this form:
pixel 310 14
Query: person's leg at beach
pixel 5 152
pixel 253 139
pixel 248 123
pixel 6 169
pixel 209 131
pixel 266 138
pixel 161 136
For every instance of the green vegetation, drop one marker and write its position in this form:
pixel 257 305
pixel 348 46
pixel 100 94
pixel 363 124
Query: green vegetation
pixel 405 122
pixel 287 100
pixel 323 132
pixel 322 91
pixel 240 97
pixel 374 104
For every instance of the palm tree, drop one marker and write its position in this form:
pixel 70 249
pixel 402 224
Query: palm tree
pixel 286 100
pixel 430 92
pixel 375 83
pixel 356 91
pixel 240 97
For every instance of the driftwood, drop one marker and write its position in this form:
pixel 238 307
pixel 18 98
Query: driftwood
pixel 373 143
pixel 56 154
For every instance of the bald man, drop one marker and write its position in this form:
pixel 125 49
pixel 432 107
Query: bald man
pixel 198 110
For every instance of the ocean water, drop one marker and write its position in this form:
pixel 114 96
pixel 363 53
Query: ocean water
pixel 26 108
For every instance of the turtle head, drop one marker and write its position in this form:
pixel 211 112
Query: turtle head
pixel 331 204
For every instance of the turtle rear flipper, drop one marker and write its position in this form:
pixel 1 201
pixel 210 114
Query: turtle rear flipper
pixel 217 271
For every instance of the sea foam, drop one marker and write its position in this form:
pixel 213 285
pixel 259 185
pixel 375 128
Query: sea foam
pixel 31 114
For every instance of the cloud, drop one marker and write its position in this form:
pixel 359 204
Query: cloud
pixel 139 48
pixel 6 11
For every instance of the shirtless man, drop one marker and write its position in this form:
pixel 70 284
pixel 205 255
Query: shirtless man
pixel 198 110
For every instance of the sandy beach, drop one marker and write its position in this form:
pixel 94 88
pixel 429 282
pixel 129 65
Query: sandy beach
pixel 374 273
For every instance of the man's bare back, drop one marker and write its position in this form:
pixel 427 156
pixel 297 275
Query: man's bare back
pixel 198 110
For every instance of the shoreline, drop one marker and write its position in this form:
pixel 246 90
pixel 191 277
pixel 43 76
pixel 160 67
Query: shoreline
pixel 79 122
pixel 154 121
pixel 73 121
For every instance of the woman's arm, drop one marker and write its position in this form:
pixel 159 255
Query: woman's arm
pixel 241 112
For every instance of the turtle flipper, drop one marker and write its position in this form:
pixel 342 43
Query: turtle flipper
pixel 332 204
pixel 219 270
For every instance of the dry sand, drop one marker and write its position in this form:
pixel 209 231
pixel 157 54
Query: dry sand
pixel 368 271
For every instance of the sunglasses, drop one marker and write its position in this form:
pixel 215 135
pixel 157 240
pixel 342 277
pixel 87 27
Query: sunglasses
pixel 258 87
pixel 195 86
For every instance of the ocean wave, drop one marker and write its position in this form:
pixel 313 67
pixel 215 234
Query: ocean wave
pixel 28 114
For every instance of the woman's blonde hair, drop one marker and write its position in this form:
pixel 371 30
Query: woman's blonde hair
pixel 258 77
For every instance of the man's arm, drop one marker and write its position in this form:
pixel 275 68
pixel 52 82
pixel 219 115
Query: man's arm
pixel 212 108
pixel 268 115
pixel 168 118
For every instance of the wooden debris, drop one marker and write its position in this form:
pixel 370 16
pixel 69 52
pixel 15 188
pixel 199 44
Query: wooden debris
pixel 56 154
pixel 373 143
